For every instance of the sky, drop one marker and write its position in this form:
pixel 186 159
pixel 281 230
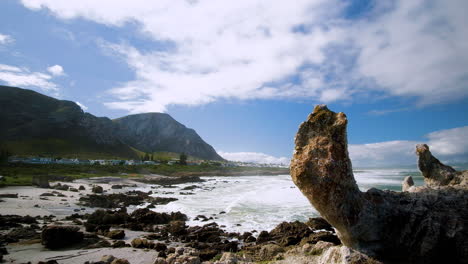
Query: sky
pixel 244 74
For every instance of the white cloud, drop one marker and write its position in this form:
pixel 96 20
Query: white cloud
pixel 6 39
pixel 450 142
pixel 56 70
pixel 417 49
pixel 449 145
pixel 254 157
pixel 82 106
pixel 251 49
pixel 23 77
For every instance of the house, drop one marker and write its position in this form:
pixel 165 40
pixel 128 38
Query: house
pixel 67 161
pixel 150 162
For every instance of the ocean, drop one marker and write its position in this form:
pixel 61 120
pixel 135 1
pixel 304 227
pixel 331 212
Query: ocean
pixel 246 203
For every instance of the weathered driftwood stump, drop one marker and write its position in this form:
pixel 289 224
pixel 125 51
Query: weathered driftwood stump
pixel 425 225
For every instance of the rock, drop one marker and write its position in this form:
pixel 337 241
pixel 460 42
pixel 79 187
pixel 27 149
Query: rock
pixel 41 181
pixel 324 253
pixel 426 226
pixel 142 243
pixel 73 190
pixel 160 260
pixel 146 216
pixel 54 237
pixel 120 244
pixel 269 251
pixel 21 233
pixel 116 186
pixel 97 189
pixel 435 172
pixel 287 234
pixel 177 228
pixel 120 261
pixel 264 236
pixel 53 261
pixel 407 183
pixel 116 234
pixel 107 259
pixel 82 188
pixel 321 236
pixel 47 194
pixel 229 258
pixel 8 195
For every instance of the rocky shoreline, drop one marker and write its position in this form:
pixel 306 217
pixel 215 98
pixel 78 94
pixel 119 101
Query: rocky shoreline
pixel 102 230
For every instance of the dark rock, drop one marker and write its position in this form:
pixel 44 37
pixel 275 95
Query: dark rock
pixel 47 194
pixel 163 200
pixel 53 261
pixel 54 237
pixel 120 244
pixel 10 221
pixel 208 254
pixel 177 228
pixel 287 234
pixel 97 189
pixel 263 237
pixel 189 188
pixel 146 216
pixel 73 190
pixel 102 217
pixel 81 188
pixel 116 234
pixel 21 233
pixel 160 247
pixel 142 243
pixel 321 236
pixel 8 195
pixel 425 225
pixel 116 186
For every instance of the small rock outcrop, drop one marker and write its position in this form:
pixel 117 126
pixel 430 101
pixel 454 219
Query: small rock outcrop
pixel 429 225
pixel 435 172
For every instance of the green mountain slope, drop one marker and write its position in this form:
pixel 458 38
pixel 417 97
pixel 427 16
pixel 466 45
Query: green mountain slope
pixel 35 124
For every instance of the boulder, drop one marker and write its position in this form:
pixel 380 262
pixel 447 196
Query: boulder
pixel 116 234
pixel 427 225
pixel 97 189
pixel 54 237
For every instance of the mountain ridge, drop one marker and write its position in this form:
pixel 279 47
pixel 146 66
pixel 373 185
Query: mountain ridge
pixel 33 123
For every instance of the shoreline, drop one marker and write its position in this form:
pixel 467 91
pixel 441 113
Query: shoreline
pixel 145 240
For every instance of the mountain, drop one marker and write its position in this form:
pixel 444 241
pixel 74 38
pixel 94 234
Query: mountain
pixel 153 132
pixel 32 123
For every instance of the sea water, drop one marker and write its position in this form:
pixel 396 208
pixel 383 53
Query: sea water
pixel 246 203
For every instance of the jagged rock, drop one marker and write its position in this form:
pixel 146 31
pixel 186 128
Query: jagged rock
pixel 54 237
pixel 435 172
pixel 324 253
pixel 428 226
pixel 286 234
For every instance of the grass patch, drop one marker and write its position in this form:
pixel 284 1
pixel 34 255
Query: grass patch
pixel 21 174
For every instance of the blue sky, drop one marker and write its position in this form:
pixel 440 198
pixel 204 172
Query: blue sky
pixel 244 75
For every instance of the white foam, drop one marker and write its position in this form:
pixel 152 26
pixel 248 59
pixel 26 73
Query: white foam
pixel 258 202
